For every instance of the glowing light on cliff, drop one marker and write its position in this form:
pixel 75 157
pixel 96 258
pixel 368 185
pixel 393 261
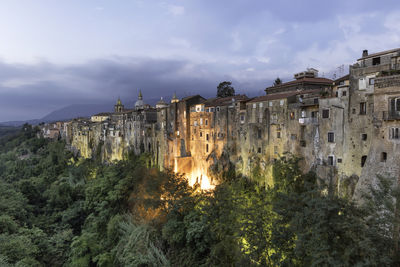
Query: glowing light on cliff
pixel 198 176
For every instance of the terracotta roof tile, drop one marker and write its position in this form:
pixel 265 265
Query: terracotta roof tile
pixel 303 80
pixel 282 95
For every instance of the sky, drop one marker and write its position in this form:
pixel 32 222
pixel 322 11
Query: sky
pixel 57 53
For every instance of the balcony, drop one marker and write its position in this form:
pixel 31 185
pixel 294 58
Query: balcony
pixel 304 121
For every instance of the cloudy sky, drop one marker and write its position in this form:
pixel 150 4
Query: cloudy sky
pixel 57 53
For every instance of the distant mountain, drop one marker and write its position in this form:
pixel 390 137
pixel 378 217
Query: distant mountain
pixel 77 110
pixel 66 113
pixel 74 111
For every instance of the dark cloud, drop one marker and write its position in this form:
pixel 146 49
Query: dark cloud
pixel 32 91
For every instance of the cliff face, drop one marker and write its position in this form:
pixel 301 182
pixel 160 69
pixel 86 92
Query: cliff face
pixel 347 131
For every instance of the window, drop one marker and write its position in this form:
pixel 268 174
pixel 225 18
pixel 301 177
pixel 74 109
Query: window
pixel 259 150
pixel 325 113
pixel 270 103
pixel 261 105
pixel 314 114
pixel 206 122
pixel 218 108
pixel 371 81
pixel 281 102
pixel 383 157
pixel 364 137
pixel 212 109
pixel 254 105
pixel 259 133
pixel 315 100
pixel 397 104
pixel 376 61
pixel 339 160
pixel 344 93
pixel 331 137
pixel 293 136
pixel 353 111
pixel 207 137
pixel 292 115
pixel 207 110
pixel 207 148
pixel 241 118
pixel 363 108
pixel 275 149
pixel 195 123
pixel 330 160
pixel 278 134
pixel 394 133
pixel 201 121
pixel 363 160
pixel 337 94
pixel 303 113
pixel 201 134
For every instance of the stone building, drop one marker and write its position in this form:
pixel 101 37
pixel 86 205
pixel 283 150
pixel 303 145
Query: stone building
pixel 347 130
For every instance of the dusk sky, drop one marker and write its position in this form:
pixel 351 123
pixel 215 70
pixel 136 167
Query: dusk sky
pixel 57 53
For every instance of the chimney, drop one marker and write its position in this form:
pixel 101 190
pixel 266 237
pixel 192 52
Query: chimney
pixel 365 53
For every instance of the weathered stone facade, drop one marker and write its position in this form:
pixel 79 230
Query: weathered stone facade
pixel 346 130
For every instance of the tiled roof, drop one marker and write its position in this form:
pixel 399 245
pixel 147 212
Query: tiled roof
pixel 102 114
pixel 190 97
pixel 303 80
pixel 282 95
pixel 224 101
pixel 381 53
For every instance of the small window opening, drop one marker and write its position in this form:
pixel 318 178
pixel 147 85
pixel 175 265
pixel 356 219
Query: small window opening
pixel 325 113
pixel 383 157
pixel 331 137
pixel 364 137
pixel 363 160
pixel 363 108
pixel 376 61
pixel 330 160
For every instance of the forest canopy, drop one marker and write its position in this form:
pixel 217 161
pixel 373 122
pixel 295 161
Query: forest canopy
pixel 60 210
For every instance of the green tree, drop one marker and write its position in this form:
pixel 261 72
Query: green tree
pixel 277 81
pixel 225 89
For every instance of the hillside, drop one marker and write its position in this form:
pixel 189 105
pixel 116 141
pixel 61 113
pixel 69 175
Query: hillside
pixel 58 210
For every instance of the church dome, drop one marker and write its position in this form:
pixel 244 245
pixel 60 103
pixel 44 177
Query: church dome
pixel 139 103
pixel 161 104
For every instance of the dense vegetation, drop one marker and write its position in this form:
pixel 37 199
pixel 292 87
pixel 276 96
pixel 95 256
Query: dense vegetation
pixel 57 210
